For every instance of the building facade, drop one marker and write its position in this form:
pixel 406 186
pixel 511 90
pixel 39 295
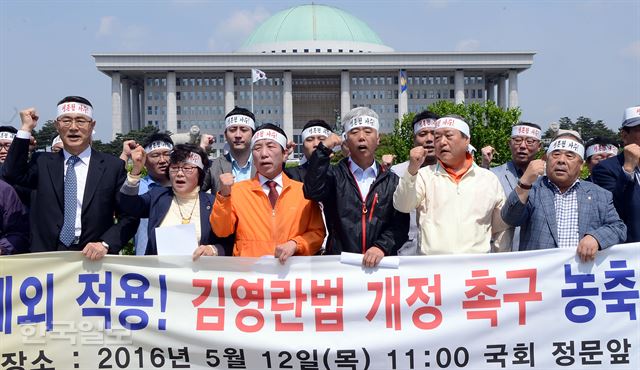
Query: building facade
pixel 320 62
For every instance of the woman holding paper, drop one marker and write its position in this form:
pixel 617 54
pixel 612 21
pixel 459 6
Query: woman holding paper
pixel 176 210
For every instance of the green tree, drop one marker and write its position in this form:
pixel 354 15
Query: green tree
pixel 115 146
pixel 489 124
pixel 44 136
pixel 586 127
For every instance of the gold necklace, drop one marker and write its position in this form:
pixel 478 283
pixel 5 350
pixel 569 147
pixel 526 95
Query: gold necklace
pixel 186 220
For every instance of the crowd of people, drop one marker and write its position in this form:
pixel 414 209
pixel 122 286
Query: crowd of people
pixel 249 203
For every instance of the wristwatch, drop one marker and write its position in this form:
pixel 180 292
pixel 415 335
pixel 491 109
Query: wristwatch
pixel 523 186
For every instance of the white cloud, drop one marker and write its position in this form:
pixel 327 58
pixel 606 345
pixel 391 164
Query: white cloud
pixel 235 29
pixel 632 50
pixel 106 25
pixel 468 45
pixel 125 37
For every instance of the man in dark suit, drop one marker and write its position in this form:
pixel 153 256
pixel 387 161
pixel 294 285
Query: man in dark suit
pixel 621 175
pixel 76 188
pixel 557 210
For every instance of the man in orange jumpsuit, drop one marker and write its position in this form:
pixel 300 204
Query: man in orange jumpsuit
pixel 268 213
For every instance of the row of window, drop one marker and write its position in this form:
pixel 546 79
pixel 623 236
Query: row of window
pixel 381 109
pixel 257 95
pixel 432 94
pixel 379 80
pixel 246 81
pixel 375 94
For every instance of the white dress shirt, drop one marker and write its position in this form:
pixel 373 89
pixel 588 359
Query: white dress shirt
pixel 82 169
pixel 364 177
pixel 265 187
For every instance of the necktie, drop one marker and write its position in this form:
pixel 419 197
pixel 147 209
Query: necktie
pixel 273 193
pixel 68 232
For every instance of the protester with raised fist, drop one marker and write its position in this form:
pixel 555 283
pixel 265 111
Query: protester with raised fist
pixel 357 193
pixel 621 175
pixel 268 214
pixel 556 210
pixel 77 188
pixel 313 133
pixel 181 203
pixel 457 202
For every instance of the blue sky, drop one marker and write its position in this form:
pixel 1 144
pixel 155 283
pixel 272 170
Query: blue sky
pixel 587 61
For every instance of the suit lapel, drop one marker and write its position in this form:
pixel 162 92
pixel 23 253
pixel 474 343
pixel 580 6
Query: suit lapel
pixel 584 207
pixel 94 175
pixel 511 175
pixel 549 209
pixel 56 174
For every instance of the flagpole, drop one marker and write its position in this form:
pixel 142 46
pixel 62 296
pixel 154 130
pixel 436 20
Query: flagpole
pixel 251 91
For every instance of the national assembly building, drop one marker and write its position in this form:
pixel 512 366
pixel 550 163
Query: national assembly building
pixel 319 61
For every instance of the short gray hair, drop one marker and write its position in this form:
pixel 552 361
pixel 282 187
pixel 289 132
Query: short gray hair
pixel 357 112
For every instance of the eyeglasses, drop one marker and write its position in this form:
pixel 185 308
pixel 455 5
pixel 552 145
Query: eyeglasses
pixel 187 170
pixel 67 121
pixel 5 146
pixel 529 141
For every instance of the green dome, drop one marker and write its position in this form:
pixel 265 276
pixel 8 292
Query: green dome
pixel 313 27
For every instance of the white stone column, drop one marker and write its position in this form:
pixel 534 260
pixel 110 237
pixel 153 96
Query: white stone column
pixel 345 93
pixel 126 105
pixel 287 105
pixel 459 86
pixel 172 110
pixel 502 84
pixel 116 105
pixel 135 107
pixel 403 99
pixel 491 91
pixel 513 88
pixel 229 99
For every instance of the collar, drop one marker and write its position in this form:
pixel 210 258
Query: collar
pixel 556 189
pixel 85 156
pixel 457 176
pixel 235 164
pixel 277 179
pixel 354 167
pixel 511 165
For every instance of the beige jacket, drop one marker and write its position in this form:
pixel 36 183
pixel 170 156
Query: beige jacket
pixel 454 218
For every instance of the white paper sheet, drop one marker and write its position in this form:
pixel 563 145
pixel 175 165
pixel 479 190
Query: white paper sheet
pixel 178 240
pixel 391 262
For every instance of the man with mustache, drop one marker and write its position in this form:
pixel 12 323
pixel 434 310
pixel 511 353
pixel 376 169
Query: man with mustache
pixel 556 210
pixel 524 145
pixel 457 202
pixel 424 126
pixel 621 174
pixel 357 192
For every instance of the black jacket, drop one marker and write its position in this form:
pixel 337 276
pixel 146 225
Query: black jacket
pixel 355 225
pixel 298 172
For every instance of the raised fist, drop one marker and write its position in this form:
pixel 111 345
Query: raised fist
pixel 138 156
pixel 417 156
pixel 206 141
pixel 487 155
pixel 535 169
pixel 631 157
pixel 29 118
pixel 226 182
pixel 332 141
pixel 127 147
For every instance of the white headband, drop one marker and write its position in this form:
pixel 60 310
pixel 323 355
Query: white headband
pixel 451 122
pixel 598 149
pixel 315 131
pixel 56 140
pixel 362 121
pixel 74 107
pixel 6 135
pixel 567 144
pixel 270 135
pixel 195 159
pixel 427 123
pixel 631 117
pixel 521 130
pixel 239 119
pixel 156 145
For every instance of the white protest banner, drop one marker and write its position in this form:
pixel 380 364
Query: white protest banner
pixel 541 309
